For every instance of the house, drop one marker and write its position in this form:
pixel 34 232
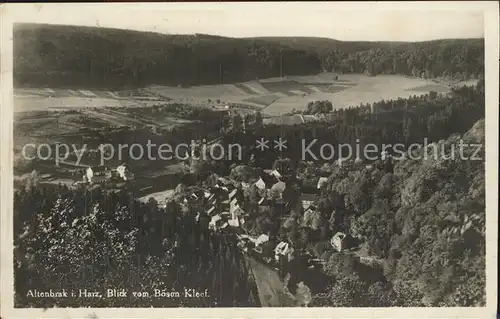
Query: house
pixel 232 194
pixel 124 172
pixel 268 179
pixel 341 241
pixel 278 189
pixel 308 205
pixel 340 162
pixel 211 198
pixel 211 210
pixel 215 222
pixel 312 219
pixel 222 181
pixel 283 251
pixel 261 240
pixel 322 182
pixel 260 184
pixel 384 154
pixel 308 200
pixel 307 218
pixel 153 128
pixel 234 222
pixel 274 173
pixel 233 203
pixel 237 212
pixel 194 196
pixel 97 174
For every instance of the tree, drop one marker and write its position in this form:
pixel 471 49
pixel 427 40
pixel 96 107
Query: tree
pixel 258 119
pixel 236 123
pixel 408 130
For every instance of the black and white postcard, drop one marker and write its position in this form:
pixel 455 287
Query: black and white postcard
pixel 273 159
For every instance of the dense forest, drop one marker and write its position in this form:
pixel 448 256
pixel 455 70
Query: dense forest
pixel 98 57
pixel 452 59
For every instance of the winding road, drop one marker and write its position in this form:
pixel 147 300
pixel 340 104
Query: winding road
pixel 271 289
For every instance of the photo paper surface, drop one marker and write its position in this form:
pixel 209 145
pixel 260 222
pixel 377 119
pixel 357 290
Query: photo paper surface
pixel 249 160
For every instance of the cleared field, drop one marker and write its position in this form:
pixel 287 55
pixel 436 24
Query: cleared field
pixel 52 124
pixel 430 87
pixel 245 89
pixel 199 92
pixel 275 96
pixel 22 104
pixel 288 87
pixel 160 197
pixel 29 99
pixel 264 100
pixel 359 89
pixel 256 87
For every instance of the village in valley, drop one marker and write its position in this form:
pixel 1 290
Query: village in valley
pixel 273 226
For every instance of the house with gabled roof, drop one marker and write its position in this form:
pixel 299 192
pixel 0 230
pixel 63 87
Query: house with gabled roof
pixel 215 222
pixel 211 210
pixel 341 241
pixel 234 222
pixel 232 194
pixel 97 174
pixel 124 172
pixel 283 250
pixel 322 182
pixel 273 172
pixel 278 189
pixel 260 183
pixel 236 212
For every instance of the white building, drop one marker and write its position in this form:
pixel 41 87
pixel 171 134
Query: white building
pixel 124 172
pixel 283 249
pixel 276 174
pixel 96 174
pixel 215 222
pixel 261 240
pixel 321 182
pixel 260 184
pixel 341 241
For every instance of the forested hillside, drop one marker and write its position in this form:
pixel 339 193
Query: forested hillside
pixel 455 59
pixel 54 55
pixel 59 55
pixel 423 220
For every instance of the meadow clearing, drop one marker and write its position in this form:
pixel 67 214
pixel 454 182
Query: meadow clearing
pixel 354 89
pixel 274 96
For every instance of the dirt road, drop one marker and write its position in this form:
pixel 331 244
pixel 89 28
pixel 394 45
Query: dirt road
pixel 271 290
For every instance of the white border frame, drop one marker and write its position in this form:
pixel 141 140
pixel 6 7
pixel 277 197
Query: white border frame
pixel 13 13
